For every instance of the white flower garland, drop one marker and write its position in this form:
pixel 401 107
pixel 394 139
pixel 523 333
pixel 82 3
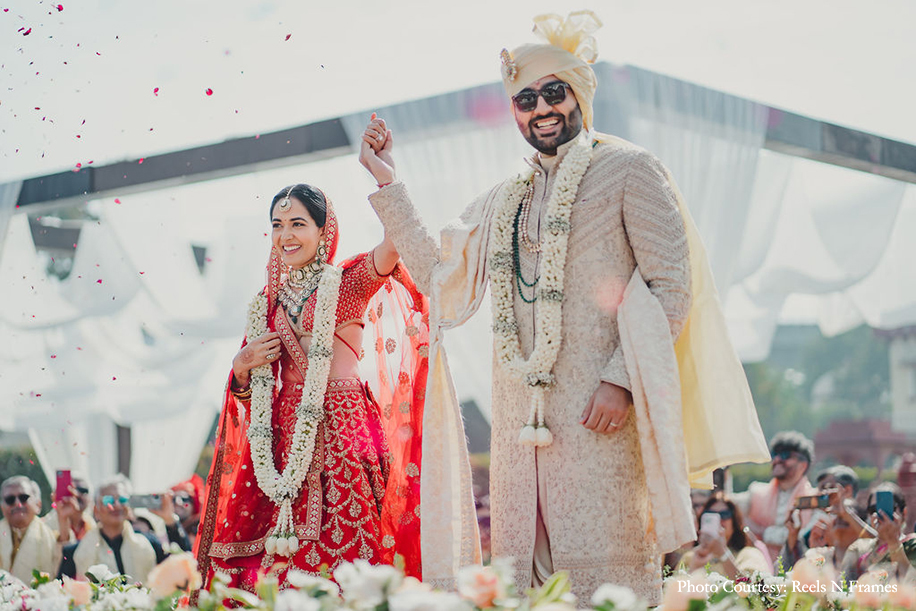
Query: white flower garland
pixel 284 488
pixel 536 371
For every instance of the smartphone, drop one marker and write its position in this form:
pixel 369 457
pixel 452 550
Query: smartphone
pixel 146 501
pixel 884 502
pixel 710 523
pixel 818 501
pixel 62 485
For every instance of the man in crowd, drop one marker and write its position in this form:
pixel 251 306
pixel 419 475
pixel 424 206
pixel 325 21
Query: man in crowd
pixel 26 543
pixel 557 247
pixel 115 543
pixel 769 504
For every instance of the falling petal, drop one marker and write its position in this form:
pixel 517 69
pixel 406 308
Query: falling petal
pixel 60 7
pixel 209 91
pixel 141 160
pixel 27 32
pixel 156 91
pixel 99 281
pixel 288 36
pixel 117 201
pixel 53 356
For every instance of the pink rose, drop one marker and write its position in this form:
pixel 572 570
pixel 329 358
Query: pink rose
pixel 903 596
pixel 680 590
pixel 871 589
pixel 177 572
pixel 482 585
pixel 79 591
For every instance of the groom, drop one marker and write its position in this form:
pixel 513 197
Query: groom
pixel 558 247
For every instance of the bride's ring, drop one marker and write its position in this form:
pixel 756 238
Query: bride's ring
pixel 270 357
pixel 613 424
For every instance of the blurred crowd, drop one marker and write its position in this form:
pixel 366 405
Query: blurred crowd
pixel 776 523
pixel 108 525
pixel 766 529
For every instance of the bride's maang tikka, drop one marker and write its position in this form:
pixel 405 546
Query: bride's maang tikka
pixel 286 204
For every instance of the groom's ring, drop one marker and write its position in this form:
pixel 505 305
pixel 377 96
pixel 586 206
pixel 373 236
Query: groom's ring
pixel 273 356
pixel 614 424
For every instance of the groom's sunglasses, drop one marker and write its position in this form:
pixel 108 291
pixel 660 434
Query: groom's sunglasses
pixel 526 100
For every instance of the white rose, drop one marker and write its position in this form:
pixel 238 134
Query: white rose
pixel 294 600
pixel 619 596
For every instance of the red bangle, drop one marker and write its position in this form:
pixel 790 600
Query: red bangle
pixel 385 184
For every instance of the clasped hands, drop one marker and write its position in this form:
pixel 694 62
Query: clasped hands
pixel 375 151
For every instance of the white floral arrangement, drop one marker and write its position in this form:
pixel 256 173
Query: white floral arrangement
pixel 283 488
pixel 536 371
pixel 362 587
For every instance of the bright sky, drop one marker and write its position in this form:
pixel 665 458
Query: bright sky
pixel 82 85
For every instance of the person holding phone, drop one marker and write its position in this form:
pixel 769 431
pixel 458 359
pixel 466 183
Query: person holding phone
pixel 723 545
pixel 71 486
pixel 891 549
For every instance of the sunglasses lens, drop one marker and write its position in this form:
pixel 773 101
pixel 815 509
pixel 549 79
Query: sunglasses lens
pixel 526 101
pixel 124 499
pixel 554 93
pixel 9 500
pixel 83 490
pixel 108 500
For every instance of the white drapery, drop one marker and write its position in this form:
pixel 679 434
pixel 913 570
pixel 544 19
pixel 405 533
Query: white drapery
pixel 138 335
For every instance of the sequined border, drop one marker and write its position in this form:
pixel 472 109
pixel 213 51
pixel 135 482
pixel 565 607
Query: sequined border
pixel 288 337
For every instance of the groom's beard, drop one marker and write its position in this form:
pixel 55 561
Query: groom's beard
pixel 570 126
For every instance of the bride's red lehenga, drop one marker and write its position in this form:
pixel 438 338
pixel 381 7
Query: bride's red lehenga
pixel 361 496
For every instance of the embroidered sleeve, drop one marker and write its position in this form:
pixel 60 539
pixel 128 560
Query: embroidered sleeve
pixel 656 233
pixel 407 230
pixel 357 286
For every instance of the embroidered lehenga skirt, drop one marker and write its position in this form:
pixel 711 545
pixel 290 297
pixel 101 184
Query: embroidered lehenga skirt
pixel 337 514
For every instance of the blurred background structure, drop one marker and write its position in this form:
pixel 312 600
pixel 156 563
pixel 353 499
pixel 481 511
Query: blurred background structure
pixel 139 153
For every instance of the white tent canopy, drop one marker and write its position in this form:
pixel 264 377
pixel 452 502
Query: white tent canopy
pixel 137 335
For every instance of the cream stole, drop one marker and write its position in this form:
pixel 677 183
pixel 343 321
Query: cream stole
pixel 137 553
pixel 38 550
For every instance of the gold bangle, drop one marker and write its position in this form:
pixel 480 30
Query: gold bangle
pixel 242 395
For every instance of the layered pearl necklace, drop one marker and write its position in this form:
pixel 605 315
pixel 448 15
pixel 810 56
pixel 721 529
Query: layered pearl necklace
pixel 536 371
pixel 283 488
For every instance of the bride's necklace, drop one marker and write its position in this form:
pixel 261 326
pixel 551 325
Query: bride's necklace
pixel 300 284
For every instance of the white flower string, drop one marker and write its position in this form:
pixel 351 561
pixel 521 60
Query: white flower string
pixel 536 372
pixel 284 488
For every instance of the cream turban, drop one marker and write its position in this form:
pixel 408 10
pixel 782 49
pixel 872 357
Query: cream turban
pixel 569 50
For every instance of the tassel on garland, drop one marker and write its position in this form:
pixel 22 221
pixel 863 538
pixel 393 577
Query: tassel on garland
pixel 283 540
pixel 535 432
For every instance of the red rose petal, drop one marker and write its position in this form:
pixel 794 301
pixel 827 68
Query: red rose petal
pixel 287 36
pixel 117 201
pixel 99 281
pixel 60 7
pixel 209 91
pixel 141 160
pixel 156 91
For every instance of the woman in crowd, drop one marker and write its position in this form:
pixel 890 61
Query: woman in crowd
pixel 308 471
pixel 891 549
pixel 728 551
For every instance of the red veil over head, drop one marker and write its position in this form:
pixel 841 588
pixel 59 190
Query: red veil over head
pixel 397 334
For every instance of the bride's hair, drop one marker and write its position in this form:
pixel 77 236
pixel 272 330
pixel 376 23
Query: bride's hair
pixel 312 198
